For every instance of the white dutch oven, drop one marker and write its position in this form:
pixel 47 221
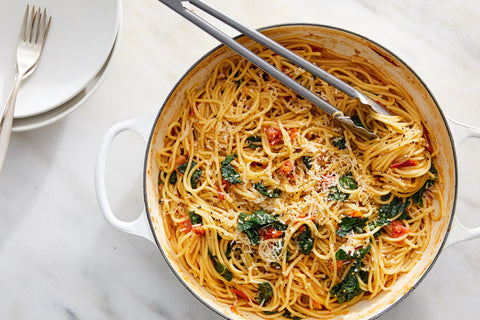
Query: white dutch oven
pixel 448 135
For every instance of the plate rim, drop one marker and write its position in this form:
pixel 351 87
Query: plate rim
pixel 62 110
pixel 75 92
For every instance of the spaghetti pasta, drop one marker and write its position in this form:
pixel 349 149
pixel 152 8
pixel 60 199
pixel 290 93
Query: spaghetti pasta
pixel 279 210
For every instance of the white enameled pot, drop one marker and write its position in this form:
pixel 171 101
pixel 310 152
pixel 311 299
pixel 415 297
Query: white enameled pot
pixel 448 134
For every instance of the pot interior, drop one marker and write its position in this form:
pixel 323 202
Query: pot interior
pixel 347 44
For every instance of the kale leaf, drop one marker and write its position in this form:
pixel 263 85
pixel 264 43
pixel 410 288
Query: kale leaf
pixel 195 218
pixel 275 265
pixel 388 211
pixel 254 142
pixel 287 255
pixel 252 223
pixel 342 255
pixel 348 182
pixel 349 287
pixel 173 178
pixel 381 222
pixel 183 167
pixel 287 314
pixel 393 208
pixel 228 172
pixel 349 224
pixel 228 251
pixel 338 195
pixel 160 174
pixel 220 268
pixel 357 254
pixel 265 293
pixel 357 121
pixel 339 142
pixel 270 312
pixel 195 176
pixel 305 241
pixel 279 225
pixel 404 216
pixel 255 220
pixel 253 235
pixel 418 196
pixel 263 190
pixel 308 162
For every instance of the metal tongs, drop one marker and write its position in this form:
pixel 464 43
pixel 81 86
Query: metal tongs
pixel 177 6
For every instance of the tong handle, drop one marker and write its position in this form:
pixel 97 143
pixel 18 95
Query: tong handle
pixel 177 6
pixel 292 57
pixel 265 66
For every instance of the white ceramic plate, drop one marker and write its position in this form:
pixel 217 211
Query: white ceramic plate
pixel 55 114
pixel 79 42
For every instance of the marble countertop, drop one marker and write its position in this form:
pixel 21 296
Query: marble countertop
pixel 59 258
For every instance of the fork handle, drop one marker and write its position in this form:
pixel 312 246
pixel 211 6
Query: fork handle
pixel 6 120
pixel 12 97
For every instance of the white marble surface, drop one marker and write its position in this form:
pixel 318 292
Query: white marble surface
pixel 59 259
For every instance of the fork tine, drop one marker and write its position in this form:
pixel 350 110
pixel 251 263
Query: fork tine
pixel 41 30
pixel 48 27
pixel 29 25
pixel 34 30
pixel 35 26
pixel 45 26
pixel 24 24
pixel 40 25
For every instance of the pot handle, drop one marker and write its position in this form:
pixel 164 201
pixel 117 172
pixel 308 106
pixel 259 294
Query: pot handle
pixel 458 232
pixel 140 226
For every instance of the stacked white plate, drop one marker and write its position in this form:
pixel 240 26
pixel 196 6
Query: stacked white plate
pixel 80 44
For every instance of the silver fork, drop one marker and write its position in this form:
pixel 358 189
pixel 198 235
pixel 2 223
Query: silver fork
pixel 29 48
